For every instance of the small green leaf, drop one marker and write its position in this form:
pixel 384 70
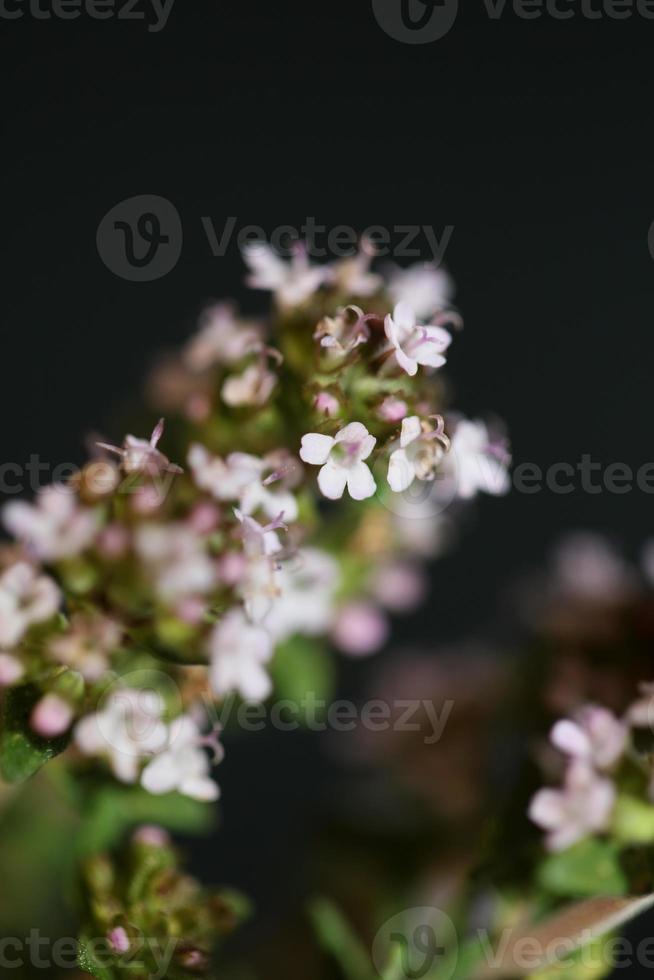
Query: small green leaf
pixel 337 937
pixel 633 820
pixel 22 752
pixel 302 667
pixel 87 962
pixel 590 867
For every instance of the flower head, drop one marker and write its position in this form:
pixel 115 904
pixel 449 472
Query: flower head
pixel 421 449
pixel 342 460
pixel 26 597
pixel 142 455
pixel 582 807
pixel 238 651
pixel 55 527
pixel 415 345
pixel 292 282
pixel 183 764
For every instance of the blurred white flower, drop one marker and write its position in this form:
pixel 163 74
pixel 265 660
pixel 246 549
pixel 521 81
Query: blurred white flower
pixel 142 455
pixel 426 288
pixel 258 585
pixel 26 597
pixel 399 586
pixel 127 730
pixel 360 629
pixel 292 282
pixel 352 274
pixel 238 652
pixel 640 714
pixel 175 559
pixel 221 339
pixel 253 387
pixel 342 460
pixel 596 736
pixel 582 807
pixel 86 645
pixel 421 450
pixel 183 765
pixel 55 527
pixel 476 462
pixel 588 567
pixel 305 605
pixel 247 479
pixel 11 670
pixel 414 344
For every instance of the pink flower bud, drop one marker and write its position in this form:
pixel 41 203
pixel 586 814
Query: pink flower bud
pixel 11 670
pixel 326 404
pixel 113 541
pixel 360 629
pixel 232 568
pixel 204 518
pixel 118 940
pixel 151 836
pixel 51 717
pixel 393 410
pixel 400 587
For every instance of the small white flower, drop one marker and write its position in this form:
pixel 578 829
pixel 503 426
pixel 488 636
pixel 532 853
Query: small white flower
pixel 174 557
pixel 588 568
pixel 476 462
pixel 55 527
pixel 292 282
pixel 258 586
pixel 25 598
pixel 142 455
pixel 352 274
pixel 127 730
pixel 253 387
pixel 344 332
pixel 307 585
pixel 86 645
pixel 421 450
pixel 238 652
pixel 596 737
pixel 221 339
pixel 414 344
pixel 244 478
pixel 582 807
pixel 183 765
pixel 342 460
pixel 426 288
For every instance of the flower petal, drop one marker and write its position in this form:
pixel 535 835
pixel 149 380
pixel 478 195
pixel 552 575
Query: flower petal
pixel 316 448
pixel 401 473
pixel 160 776
pixel 360 482
pixel 411 430
pixel 331 480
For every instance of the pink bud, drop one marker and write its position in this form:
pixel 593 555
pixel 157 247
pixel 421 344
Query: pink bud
pixel 197 408
pixel 326 404
pixel 113 541
pixel 400 587
pixel 118 940
pixel 147 498
pixel 232 568
pixel 360 629
pixel 152 836
pixel 51 716
pixel 11 670
pixel 393 410
pixel 204 518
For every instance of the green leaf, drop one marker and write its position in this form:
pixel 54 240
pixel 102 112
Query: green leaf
pixel 22 752
pixel 590 867
pixel 87 962
pixel 633 820
pixel 303 667
pixel 113 810
pixel 338 938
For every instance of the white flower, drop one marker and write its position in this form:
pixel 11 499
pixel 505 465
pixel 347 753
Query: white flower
pixel 596 737
pixel 426 288
pixel 307 586
pixel 175 558
pixel 183 765
pixel 344 332
pixel 258 586
pixel 221 339
pixel 587 567
pixel 292 282
pixel 243 478
pixel 11 670
pixel 342 460
pixel 25 598
pixel 421 449
pixel 582 807
pixel 55 527
pixel 476 463
pixel 352 274
pixel 253 387
pixel 86 645
pixel 238 651
pixel 414 344
pixel 142 455
pixel 126 730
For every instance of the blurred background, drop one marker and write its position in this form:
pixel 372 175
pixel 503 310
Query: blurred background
pixel 532 138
